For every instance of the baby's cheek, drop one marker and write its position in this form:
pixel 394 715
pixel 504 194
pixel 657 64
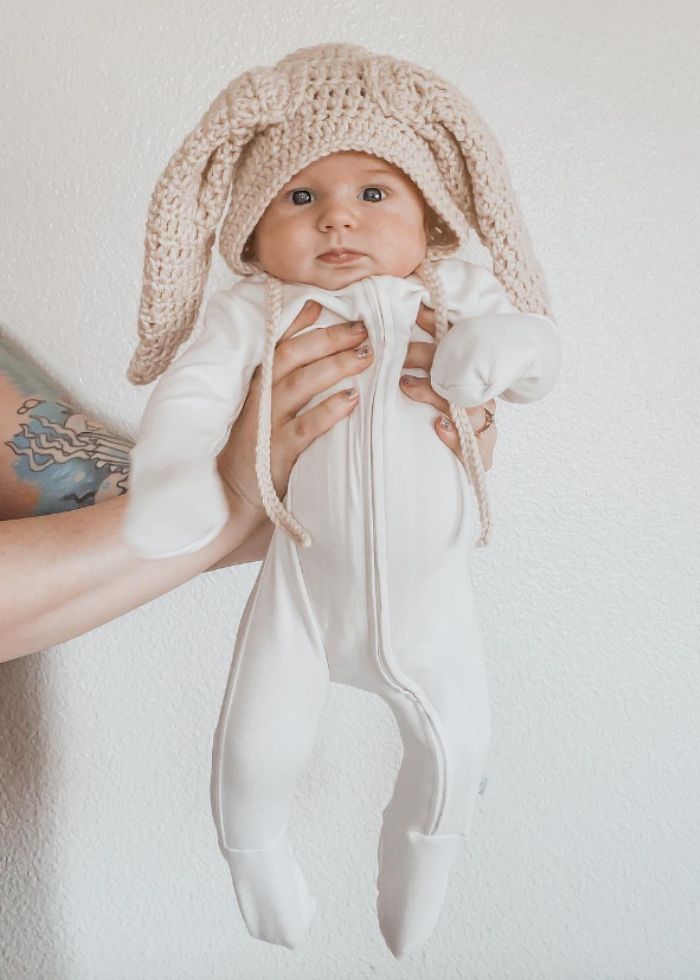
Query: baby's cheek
pixel 407 251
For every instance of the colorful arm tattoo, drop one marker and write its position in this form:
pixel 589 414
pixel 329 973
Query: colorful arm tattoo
pixel 67 459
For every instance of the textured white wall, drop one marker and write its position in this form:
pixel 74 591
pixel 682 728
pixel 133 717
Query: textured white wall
pixel 583 861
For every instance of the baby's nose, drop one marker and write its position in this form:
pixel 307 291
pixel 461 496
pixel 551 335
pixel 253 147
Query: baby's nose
pixel 337 215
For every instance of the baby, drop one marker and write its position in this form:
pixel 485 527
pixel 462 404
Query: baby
pixel 362 216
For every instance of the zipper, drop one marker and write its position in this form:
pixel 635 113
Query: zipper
pixel 376 445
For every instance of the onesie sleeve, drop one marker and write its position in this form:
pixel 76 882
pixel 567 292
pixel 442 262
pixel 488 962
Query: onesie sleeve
pixel 176 502
pixel 493 350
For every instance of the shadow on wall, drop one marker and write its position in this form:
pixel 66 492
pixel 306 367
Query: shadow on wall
pixel 30 779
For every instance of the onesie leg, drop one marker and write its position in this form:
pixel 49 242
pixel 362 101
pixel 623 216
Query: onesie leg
pixel 445 732
pixel 263 745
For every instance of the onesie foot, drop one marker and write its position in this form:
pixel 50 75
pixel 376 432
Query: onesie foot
pixel 414 870
pixel 273 896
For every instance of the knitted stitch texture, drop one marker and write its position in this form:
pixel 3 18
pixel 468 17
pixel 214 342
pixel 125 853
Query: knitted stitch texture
pixel 270 123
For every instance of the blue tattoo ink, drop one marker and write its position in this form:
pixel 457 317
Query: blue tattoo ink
pixel 71 460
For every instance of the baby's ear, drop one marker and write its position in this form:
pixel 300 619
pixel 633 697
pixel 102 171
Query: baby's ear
pixel 248 250
pixel 436 231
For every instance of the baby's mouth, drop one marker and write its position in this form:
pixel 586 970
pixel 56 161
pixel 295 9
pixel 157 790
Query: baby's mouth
pixel 337 256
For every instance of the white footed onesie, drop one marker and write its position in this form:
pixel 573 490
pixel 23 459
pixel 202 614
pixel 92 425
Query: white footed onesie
pixel 382 598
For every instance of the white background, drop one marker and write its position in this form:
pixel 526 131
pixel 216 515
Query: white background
pixel 583 862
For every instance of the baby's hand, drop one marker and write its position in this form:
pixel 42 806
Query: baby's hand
pixel 420 355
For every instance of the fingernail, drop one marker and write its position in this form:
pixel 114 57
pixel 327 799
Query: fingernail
pixel 357 327
pixel 445 422
pixel 362 351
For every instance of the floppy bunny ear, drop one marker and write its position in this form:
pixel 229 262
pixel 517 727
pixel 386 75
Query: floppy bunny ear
pixel 491 206
pixel 185 208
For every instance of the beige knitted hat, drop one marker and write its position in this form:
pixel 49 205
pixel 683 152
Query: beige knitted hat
pixel 270 123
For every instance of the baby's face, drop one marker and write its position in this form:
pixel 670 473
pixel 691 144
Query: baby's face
pixel 346 200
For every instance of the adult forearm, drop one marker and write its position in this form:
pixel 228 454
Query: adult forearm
pixel 64 574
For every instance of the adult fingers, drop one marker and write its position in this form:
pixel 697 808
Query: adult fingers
pixel 298 351
pixel 291 438
pixel 426 319
pixel 304 318
pixel 293 391
pixel 486 441
pixel 420 390
pixel 419 355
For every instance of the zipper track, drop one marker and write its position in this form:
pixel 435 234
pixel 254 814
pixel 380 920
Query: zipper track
pixel 382 626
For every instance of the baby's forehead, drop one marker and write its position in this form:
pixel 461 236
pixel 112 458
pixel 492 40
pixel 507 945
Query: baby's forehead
pixel 349 161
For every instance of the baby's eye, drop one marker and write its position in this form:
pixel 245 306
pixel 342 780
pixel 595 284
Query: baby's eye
pixel 373 190
pixel 294 196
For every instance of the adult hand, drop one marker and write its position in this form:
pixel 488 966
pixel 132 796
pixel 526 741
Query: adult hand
pixel 420 355
pixel 303 367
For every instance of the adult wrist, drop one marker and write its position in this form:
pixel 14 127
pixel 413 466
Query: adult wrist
pixel 244 518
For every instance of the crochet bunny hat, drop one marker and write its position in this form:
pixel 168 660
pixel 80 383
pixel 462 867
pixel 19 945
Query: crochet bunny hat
pixel 266 126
